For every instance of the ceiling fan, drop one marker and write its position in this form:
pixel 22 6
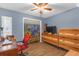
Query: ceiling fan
pixel 41 7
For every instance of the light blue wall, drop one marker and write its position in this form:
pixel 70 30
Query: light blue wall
pixel 68 19
pixel 17 21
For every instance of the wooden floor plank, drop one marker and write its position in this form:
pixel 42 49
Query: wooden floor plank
pixel 44 49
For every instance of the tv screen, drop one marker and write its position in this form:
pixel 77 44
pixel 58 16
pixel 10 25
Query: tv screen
pixel 52 29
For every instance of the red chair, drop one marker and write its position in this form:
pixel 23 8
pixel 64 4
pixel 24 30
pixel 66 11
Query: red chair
pixel 23 45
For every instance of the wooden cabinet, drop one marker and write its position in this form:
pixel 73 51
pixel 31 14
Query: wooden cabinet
pixel 72 53
pixel 63 42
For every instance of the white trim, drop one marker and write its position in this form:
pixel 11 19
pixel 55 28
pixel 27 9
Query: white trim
pixel 40 31
pixel 23 28
pixel 34 20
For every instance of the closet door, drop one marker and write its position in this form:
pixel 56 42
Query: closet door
pixel 7 26
pixel 33 27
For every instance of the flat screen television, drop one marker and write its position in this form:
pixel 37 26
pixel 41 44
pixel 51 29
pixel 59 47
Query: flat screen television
pixel 52 29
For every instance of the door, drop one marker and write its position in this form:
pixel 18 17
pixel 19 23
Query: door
pixel 33 27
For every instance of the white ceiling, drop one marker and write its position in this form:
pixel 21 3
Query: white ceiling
pixel 26 8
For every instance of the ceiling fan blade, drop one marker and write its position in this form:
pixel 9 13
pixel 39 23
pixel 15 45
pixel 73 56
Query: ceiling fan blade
pixel 35 4
pixel 34 9
pixel 49 9
pixel 44 4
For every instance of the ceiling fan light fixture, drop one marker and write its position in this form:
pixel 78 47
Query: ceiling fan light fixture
pixel 42 7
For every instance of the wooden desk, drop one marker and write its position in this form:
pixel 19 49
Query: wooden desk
pixel 8 50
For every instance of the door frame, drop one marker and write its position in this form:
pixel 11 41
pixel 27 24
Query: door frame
pixel 34 20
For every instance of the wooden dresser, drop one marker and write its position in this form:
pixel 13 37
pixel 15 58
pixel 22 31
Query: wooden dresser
pixel 67 39
pixel 72 53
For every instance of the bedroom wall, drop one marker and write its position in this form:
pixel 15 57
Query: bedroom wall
pixel 17 21
pixel 68 19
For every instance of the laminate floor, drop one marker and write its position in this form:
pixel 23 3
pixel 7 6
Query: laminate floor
pixel 44 49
